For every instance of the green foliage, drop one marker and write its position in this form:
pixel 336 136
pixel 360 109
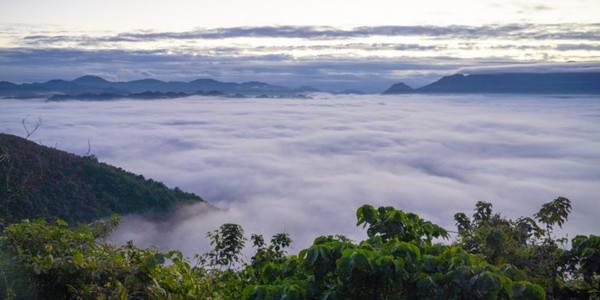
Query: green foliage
pixel 397 261
pixel 388 223
pixel 524 244
pixel 483 212
pixel 554 213
pixel 228 242
pixel 495 258
pixel 42 182
pixel 58 262
pixel 275 252
pixel 584 260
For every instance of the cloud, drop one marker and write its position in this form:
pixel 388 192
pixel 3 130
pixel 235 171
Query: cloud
pixel 585 47
pixel 563 31
pixel 534 68
pixel 351 46
pixel 328 66
pixel 304 166
pixel 373 74
pixel 524 8
pixel 369 58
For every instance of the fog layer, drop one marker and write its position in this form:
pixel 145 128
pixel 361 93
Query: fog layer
pixel 304 166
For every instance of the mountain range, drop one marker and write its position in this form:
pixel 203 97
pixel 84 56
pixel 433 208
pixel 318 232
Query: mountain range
pixel 508 83
pixel 91 87
pixel 97 88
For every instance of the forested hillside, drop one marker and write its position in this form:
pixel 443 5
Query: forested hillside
pixel 38 181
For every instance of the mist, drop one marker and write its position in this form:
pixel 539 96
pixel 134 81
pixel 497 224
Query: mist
pixel 305 166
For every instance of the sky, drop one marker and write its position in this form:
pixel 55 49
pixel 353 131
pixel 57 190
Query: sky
pixel 331 45
pixel 305 166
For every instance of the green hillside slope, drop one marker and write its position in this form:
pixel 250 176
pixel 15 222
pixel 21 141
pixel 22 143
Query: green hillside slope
pixel 38 181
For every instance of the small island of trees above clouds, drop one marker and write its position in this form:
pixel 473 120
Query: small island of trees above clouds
pixel 402 255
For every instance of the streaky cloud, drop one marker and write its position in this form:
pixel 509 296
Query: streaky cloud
pixel 575 31
pixel 534 68
pixel 585 47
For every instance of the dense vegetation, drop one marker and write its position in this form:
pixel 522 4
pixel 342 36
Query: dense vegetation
pixel 38 181
pixel 493 258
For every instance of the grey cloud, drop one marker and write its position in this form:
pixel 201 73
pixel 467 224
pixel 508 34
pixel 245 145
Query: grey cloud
pixel 522 47
pixel 528 9
pixel 351 46
pixel 534 68
pixel 304 166
pixel 585 47
pixel 521 31
pixel 373 74
pixel 542 7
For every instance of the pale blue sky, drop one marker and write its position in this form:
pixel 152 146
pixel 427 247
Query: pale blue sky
pixel 336 44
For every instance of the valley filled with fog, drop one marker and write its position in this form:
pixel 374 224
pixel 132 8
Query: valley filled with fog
pixel 305 166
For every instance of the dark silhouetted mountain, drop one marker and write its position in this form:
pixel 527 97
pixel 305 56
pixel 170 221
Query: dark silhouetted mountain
pixel 38 181
pixel 205 81
pixel 237 95
pixel 7 85
pixel 306 89
pixel 92 80
pixel 82 85
pixel 151 85
pixel 213 93
pixel 513 83
pixel 109 96
pixel 87 96
pixel 254 84
pixel 350 92
pixel 156 95
pixel 93 85
pixel 398 88
pixel 355 92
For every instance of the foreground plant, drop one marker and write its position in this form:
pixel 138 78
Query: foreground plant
pixel 398 260
pixel 52 261
pixel 494 258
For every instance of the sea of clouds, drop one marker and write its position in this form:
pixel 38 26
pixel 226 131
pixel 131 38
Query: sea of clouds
pixel 304 166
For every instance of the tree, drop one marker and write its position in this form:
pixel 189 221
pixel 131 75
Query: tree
pixel 584 261
pixel 397 261
pixel 554 213
pixel 524 244
pixel 388 222
pixel 50 260
pixel 228 242
pixel 275 252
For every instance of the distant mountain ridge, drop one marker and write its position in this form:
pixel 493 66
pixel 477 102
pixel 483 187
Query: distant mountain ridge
pixel 399 88
pixel 513 83
pixel 90 85
pixel 43 182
